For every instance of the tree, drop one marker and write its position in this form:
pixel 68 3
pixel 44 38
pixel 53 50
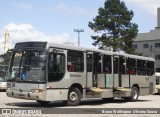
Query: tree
pixel 113 23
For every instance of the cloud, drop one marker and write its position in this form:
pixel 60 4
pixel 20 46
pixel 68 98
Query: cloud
pixel 70 10
pixel 26 32
pixel 149 6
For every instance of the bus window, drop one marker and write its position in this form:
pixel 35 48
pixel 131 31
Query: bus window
pixel 107 68
pixel 89 62
pixel 115 65
pixel 97 63
pixel 75 61
pixel 131 66
pixel 56 66
pixel 150 68
pixel 122 65
pixel 141 67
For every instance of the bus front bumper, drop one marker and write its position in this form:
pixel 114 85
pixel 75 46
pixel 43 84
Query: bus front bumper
pixel 25 95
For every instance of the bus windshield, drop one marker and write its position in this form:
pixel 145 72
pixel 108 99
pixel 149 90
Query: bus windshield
pixel 28 66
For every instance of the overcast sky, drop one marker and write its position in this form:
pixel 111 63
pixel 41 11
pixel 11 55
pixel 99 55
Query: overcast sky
pixel 55 20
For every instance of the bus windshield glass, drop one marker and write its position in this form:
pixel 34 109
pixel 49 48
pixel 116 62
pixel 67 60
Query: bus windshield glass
pixel 28 66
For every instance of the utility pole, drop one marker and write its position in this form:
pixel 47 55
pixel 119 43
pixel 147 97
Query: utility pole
pixel 78 30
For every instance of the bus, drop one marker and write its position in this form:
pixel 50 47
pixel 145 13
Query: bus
pixel 49 72
pixel 3 70
pixel 157 82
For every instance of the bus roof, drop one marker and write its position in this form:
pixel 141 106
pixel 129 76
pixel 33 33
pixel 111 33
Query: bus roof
pixel 63 46
pixel 71 47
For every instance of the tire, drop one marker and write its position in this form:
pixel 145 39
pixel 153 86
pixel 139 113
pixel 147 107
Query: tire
pixel 134 95
pixel 42 102
pixel 74 97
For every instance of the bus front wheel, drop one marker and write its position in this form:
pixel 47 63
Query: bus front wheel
pixel 74 97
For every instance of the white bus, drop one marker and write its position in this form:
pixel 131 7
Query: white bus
pixel 48 72
pixel 157 82
pixel 3 83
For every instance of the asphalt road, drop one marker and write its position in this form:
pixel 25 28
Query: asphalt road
pixel 89 107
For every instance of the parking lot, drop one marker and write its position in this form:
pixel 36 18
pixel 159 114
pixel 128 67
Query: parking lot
pixel 150 102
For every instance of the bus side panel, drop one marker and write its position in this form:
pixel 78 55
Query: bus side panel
pixel 143 83
pixel 152 84
pixel 108 81
pixel 101 80
pixel 89 79
pixel 116 80
pixel 125 80
pixel 69 79
pixel 56 94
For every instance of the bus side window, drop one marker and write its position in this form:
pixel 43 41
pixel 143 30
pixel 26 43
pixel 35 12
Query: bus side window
pixel 131 66
pixel 75 61
pixel 115 62
pixel 70 67
pixel 122 66
pixel 133 71
pixel 107 64
pixel 150 68
pixel 89 62
pixel 141 67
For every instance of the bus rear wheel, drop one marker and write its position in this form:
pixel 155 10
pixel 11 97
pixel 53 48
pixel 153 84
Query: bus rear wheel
pixel 74 97
pixel 42 102
pixel 134 95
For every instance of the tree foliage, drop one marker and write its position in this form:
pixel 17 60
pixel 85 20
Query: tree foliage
pixel 114 27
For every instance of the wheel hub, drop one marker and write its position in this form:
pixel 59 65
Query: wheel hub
pixel 73 96
pixel 135 94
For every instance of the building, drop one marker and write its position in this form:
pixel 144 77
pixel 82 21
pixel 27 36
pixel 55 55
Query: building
pixel 6 43
pixel 149 43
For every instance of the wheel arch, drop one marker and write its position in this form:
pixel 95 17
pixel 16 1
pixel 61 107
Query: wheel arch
pixel 137 86
pixel 77 85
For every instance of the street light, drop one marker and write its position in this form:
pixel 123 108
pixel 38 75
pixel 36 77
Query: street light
pixel 78 30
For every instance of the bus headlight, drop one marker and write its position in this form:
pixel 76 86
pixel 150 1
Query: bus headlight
pixel 37 91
